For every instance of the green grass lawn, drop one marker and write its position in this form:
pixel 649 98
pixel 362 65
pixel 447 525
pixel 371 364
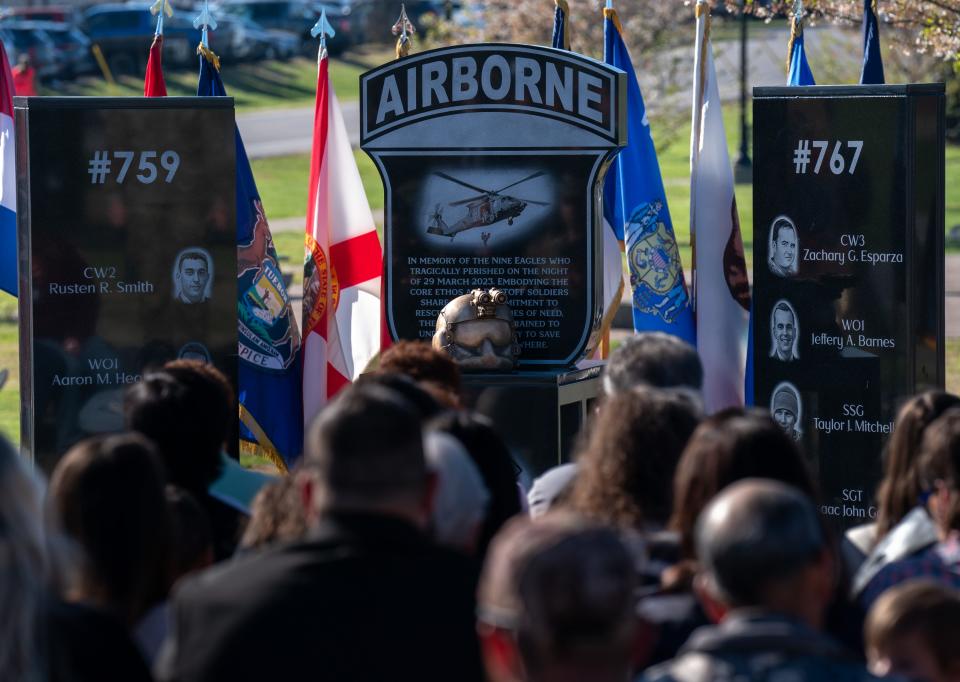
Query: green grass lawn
pixel 258 85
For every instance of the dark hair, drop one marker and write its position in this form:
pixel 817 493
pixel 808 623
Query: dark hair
pixel 276 515
pixel 421 362
pixel 729 446
pixel 191 531
pixel 652 359
pixel 496 466
pixel 192 371
pixel 922 607
pixel 625 473
pixel 900 489
pixel 415 394
pixel 366 447
pixel 187 414
pixel 940 460
pixel 754 534
pixel 107 495
pixel 779 224
pixel 192 254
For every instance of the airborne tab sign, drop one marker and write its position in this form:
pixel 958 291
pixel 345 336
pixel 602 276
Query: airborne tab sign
pixel 492 157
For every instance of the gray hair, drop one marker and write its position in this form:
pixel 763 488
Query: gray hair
pixel 652 359
pixel 461 499
pixel 24 568
pixel 756 532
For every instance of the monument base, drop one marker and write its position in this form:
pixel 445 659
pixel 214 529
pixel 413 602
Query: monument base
pixel 538 414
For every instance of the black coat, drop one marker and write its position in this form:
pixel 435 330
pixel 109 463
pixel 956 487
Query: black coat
pixel 366 598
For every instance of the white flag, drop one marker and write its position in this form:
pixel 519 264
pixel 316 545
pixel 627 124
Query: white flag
pixel 721 292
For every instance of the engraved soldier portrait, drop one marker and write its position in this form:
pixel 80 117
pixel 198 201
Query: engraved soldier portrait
pixel 192 275
pixel 784 247
pixel 784 332
pixel 787 409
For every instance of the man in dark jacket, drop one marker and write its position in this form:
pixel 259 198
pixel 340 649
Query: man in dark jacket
pixel 767 576
pixel 365 597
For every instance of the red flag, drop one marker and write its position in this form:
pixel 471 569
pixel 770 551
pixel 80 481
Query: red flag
pixel 343 264
pixel 153 85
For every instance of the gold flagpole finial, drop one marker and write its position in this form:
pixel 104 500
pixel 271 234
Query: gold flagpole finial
pixel 404 28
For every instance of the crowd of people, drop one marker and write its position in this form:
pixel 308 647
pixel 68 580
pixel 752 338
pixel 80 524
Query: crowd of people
pixel 409 545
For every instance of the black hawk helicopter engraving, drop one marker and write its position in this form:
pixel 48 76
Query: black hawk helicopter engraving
pixel 486 208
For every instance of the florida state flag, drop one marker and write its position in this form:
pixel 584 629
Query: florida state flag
pixel 343 263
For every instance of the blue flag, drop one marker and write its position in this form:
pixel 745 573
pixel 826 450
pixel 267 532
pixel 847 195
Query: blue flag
pixel 635 206
pixel 798 70
pixel 560 39
pixel 270 375
pixel 872 72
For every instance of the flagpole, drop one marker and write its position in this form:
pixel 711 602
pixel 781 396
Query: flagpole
pixel 744 170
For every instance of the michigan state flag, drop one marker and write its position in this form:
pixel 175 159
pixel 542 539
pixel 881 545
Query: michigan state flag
pixel 635 206
pixel 270 378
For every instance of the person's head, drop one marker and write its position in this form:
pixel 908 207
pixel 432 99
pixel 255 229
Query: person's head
pixel 783 331
pixel 193 274
pixel 24 566
pixel 900 489
pixel 424 364
pixel 195 371
pixel 785 407
pixel 783 244
pixel 107 497
pixel 652 359
pixel 414 392
pixel 912 632
pixel 939 468
pixel 364 453
pixel 556 594
pixel 492 458
pixel 727 447
pixel 460 503
pixel 626 469
pixel 276 515
pixel 761 545
pixel 191 532
pixel 188 414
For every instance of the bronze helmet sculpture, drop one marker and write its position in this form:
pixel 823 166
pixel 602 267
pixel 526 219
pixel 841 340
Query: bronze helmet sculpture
pixel 476 330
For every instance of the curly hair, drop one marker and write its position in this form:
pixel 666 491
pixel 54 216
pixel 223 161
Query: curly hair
pixel 631 453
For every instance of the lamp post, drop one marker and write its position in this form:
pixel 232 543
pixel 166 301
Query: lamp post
pixel 743 170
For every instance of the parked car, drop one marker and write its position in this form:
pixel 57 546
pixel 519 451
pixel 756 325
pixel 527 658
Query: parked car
pixel 32 41
pixel 56 13
pixel 239 39
pixel 73 48
pixel 294 16
pixel 125 32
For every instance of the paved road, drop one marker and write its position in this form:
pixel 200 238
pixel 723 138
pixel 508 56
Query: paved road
pixel 279 132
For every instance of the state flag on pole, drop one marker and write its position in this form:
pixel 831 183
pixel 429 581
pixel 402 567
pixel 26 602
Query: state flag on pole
pixel 8 181
pixel 612 234
pixel 798 70
pixel 153 83
pixel 721 291
pixel 343 263
pixel 872 71
pixel 635 205
pixel 269 372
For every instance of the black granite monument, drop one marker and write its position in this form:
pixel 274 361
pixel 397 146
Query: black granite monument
pixel 492 159
pixel 848 316
pixel 127 253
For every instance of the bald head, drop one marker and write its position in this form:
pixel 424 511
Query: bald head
pixel 756 536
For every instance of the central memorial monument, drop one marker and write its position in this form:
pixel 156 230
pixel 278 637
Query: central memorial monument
pixel 492 158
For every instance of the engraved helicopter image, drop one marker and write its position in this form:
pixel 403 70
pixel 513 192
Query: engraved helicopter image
pixel 485 209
